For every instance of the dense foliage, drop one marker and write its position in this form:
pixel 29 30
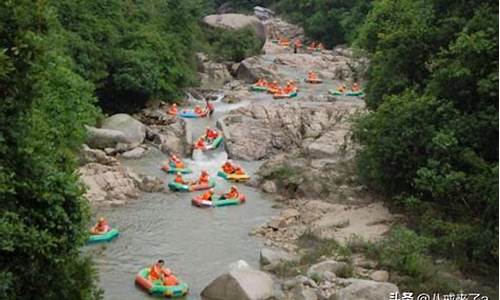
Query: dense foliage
pixel 332 22
pixel 44 107
pixel 232 45
pixel 432 140
pixel 132 50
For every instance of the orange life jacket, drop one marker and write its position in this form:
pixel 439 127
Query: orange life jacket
pixel 207 196
pixel 211 134
pixel 203 179
pixel 200 144
pixel 233 193
pixel 170 280
pixel 228 168
pixel 179 179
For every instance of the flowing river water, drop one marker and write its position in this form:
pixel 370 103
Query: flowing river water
pixel 197 244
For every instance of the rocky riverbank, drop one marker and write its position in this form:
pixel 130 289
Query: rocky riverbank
pixel 123 137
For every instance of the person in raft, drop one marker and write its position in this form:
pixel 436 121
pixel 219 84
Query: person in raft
pixel 100 228
pixel 174 160
pixel 232 194
pixel 228 167
pixel 209 107
pixel 290 87
pixel 159 272
pixel 207 196
pixel 200 144
pixel 178 179
pixel 239 171
pixel 273 86
pixel 210 134
pixel 342 88
pixel 172 110
pixel 312 75
pixel 261 82
pixel 204 177
pixel 198 110
pixel 355 87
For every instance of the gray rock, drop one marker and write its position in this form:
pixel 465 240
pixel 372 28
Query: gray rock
pixel 244 284
pixel 301 292
pixel 134 131
pixel 236 21
pixel 359 289
pixel 263 13
pixel 88 155
pixel 99 138
pixel 269 186
pixel 336 267
pixel 135 153
pixel 380 276
pixel 273 256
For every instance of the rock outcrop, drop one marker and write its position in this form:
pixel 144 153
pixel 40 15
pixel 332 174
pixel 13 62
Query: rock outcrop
pixel 236 21
pixel 257 132
pixel 169 134
pixel 210 72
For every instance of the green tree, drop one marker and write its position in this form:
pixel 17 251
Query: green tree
pixel 44 107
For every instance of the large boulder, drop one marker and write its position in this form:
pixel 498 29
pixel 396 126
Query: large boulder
pixel 253 68
pixel 134 131
pixel 104 138
pixel 242 283
pixel 359 289
pixel 236 21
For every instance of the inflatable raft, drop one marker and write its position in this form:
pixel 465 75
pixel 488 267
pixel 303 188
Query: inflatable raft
pixel 233 177
pixel 157 288
pixel 171 170
pixel 189 114
pixel 217 201
pixel 258 88
pixel 214 144
pixel 177 187
pixel 283 96
pixel 355 94
pixel 313 81
pixel 105 237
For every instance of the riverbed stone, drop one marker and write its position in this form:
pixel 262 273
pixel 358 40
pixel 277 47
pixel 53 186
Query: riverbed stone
pixel 336 267
pixel 380 276
pixel 135 153
pixel 270 256
pixel 244 284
